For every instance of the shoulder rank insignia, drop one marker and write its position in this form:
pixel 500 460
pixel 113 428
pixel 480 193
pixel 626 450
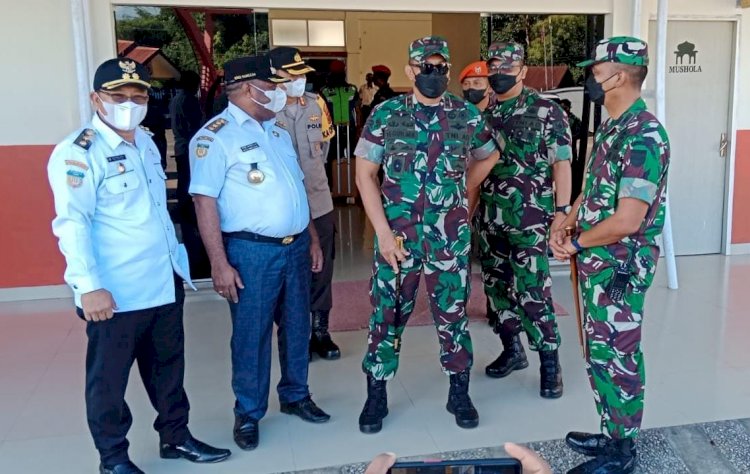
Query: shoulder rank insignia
pixel 146 129
pixel 281 124
pixel 85 138
pixel 216 125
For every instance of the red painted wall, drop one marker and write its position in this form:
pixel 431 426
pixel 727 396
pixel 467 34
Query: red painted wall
pixel 28 251
pixel 741 207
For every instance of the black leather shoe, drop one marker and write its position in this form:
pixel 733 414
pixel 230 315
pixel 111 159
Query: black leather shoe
pixel 306 409
pixel 618 457
pixel 246 433
pixel 194 451
pixel 588 444
pixel 324 347
pixel 512 358
pixel 122 468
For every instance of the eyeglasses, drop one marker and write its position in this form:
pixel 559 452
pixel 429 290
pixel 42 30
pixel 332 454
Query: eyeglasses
pixel 428 68
pixel 120 98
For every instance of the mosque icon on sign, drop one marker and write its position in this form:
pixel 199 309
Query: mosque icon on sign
pixel 685 49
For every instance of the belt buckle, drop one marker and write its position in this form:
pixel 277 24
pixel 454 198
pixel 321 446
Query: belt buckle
pixel 287 240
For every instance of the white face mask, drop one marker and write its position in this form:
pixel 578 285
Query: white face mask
pixel 126 116
pixel 276 96
pixel 296 88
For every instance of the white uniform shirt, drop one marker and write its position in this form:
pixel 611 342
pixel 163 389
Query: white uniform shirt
pixel 112 221
pixel 222 155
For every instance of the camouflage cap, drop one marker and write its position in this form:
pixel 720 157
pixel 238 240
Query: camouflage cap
pixel 506 52
pixel 619 49
pixel 422 48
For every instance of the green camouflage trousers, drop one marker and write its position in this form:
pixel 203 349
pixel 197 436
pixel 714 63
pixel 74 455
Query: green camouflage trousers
pixel 447 286
pixel 614 360
pixel 515 271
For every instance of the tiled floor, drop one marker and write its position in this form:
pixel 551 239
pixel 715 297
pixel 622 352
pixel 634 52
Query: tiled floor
pixel 695 340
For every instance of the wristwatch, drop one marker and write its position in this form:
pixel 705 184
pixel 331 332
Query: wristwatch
pixel 574 243
pixel 564 209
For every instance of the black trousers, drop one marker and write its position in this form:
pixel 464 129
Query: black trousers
pixel 320 288
pixel 155 338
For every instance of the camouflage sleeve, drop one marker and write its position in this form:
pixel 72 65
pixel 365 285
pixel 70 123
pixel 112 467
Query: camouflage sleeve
pixel 643 167
pixel 371 145
pixel 482 142
pixel 557 135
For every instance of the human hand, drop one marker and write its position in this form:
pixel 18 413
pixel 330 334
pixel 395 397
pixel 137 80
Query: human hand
pixel 390 251
pixel 226 281
pixel 381 463
pixel 531 462
pixel 98 305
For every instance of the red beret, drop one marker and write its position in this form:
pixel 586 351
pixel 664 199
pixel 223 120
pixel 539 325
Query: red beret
pixel 382 69
pixel 337 66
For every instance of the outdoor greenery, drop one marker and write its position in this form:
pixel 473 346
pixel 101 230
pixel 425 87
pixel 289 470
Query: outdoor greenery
pixel 235 35
pixel 548 39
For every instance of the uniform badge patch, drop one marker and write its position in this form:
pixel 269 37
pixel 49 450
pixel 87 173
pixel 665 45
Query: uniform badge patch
pixel 205 138
pixel 77 164
pixel 314 118
pixel 85 138
pixel 251 146
pixel 216 125
pixel 201 150
pixel 75 178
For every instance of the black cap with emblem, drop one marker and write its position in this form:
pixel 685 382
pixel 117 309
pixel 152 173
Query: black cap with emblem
pixel 289 60
pixel 119 72
pixel 250 67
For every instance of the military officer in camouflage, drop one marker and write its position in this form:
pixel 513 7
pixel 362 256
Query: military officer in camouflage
pixel 423 142
pixel 619 215
pixel 524 195
pixel 309 124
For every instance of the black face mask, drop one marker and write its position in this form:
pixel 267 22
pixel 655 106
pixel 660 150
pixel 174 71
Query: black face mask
pixel 432 85
pixel 595 90
pixel 475 96
pixel 502 83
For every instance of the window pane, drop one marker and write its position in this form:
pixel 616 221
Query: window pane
pixel 289 32
pixel 326 33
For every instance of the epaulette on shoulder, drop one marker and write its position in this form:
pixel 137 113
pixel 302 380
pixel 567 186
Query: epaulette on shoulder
pixel 85 138
pixel 216 125
pixel 146 129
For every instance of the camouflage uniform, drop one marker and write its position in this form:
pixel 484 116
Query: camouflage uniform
pixel 424 152
pixel 516 208
pixel 630 160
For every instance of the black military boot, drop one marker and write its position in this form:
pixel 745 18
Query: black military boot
pixel 320 339
pixel 376 406
pixel 551 385
pixel 589 444
pixel 512 358
pixel 459 403
pixel 618 457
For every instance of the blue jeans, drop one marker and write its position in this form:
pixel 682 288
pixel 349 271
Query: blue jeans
pixel 277 289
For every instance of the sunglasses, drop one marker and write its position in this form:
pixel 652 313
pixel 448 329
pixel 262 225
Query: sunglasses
pixel 428 68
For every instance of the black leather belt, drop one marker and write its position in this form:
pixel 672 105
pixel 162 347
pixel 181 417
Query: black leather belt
pixel 261 238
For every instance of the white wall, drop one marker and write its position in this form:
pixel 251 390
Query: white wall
pixel 39 96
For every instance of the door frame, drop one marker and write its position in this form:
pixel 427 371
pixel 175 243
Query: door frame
pixel 730 160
